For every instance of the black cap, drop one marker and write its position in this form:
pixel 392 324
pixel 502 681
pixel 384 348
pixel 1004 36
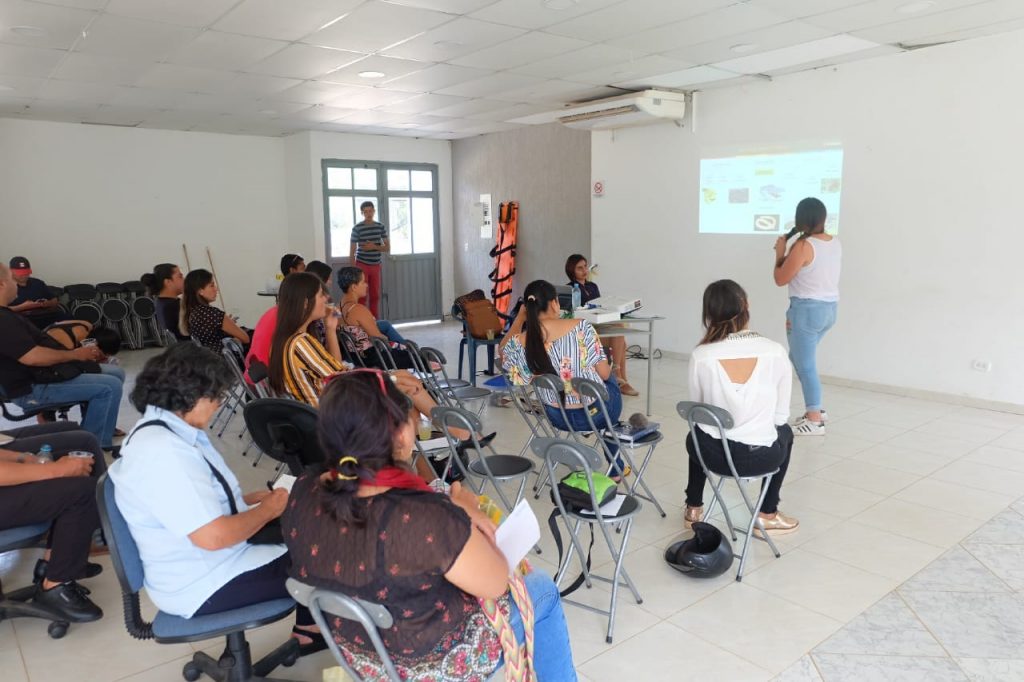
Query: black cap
pixel 20 263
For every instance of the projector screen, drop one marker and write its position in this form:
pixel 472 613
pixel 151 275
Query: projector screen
pixel 758 194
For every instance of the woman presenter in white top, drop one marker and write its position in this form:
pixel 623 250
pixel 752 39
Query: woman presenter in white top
pixel 811 269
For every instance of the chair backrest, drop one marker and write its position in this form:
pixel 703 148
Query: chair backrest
pixel 575 456
pixel 524 400
pixel 704 413
pixel 286 431
pixel 373 618
pixel 348 348
pixel 124 553
pixel 551 384
pixel 383 350
pixel 596 394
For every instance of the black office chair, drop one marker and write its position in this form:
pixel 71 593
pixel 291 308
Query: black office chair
pixel 17 604
pixel 236 665
pixel 286 431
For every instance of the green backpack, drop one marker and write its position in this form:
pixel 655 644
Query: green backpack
pixel 575 492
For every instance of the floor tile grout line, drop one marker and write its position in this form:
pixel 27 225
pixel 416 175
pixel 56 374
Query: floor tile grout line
pixel 718 646
pixel 998 577
pixel 926 628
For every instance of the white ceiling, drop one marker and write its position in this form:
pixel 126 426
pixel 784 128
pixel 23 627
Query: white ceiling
pixel 451 68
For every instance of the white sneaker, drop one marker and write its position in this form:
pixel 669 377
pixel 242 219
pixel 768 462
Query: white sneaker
pixel 808 428
pixel 802 418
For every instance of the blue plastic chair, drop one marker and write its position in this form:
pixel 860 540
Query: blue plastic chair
pixel 17 604
pixel 236 664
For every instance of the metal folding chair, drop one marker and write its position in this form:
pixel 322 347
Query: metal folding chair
pixel 558 452
pixel 348 348
pixel 487 468
pixel 240 393
pixel 465 397
pixel 373 617
pixel 606 437
pixel 718 418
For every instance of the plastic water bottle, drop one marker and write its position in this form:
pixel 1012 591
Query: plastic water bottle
pixel 577 297
pixel 45 454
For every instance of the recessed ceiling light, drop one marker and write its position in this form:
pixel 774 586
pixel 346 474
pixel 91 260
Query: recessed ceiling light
pixel 559 4
pixel 915 7
pixel 371 74
pixel 743 48
pixel 29 31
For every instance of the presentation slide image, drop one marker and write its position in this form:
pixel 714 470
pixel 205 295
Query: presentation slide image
pixel 758 194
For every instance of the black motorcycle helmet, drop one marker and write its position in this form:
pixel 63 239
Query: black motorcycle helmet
pixel 705 555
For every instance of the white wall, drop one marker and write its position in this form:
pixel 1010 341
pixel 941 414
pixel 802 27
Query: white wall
pixel 931 219
pixel 313 147
pixel 90 203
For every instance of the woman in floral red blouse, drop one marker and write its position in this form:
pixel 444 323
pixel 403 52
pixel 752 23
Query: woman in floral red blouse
pixel 370 528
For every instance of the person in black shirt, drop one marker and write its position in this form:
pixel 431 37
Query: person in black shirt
pixel 25 352
pixel 166 283
pixel 34 299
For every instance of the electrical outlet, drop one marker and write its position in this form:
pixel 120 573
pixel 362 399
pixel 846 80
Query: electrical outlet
pixel 982 365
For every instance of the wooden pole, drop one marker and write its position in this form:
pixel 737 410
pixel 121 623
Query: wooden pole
pixel 188 265
pixel 220 291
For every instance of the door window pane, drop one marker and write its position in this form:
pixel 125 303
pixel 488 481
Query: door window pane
pixel 423 225
pixel 340 209
pixel 339 178
pixel 398 180
pixel 365 178
pixel 401 233
pixel 422 181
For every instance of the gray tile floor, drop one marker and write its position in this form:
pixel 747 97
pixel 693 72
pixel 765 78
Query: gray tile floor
pixel 907 564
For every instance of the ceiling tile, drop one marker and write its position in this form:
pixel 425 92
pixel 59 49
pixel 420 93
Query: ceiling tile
pixel 369 118
pixel 227 51
pixel 185 78
pixel 96 68
pixel 909 30
pixel 508 113
pixel 880 51
pixel 18 60
pixel 521 50
pixel 178 119
pixel 270 108
pixel 391 68
pixel 798 54
pixel 144 97
pixel 587 59
pixel 470 107
pixel 498 82
pixel 419 104
pixel 134 39
pixel 62 25
pixel 535 14
pixel 79 4
pixel 877 13
pixel 435 78
pixel 121 116
pixel 454 39
pixel 631 69
pixel 182 12
pixel 71 112
pixel 797 9
pixel 304 61
pixel 283 19
pixel 625 18
pixel 323 113
pixel 257 85
pixel 20 86
pixel 450 6
pixel 375 25
pixel 215 103
pixel 312 92
pixel 739 18
pixel 547 91
pixel 680 79
pixel 367 98
pixel 14 106
pixel 980 31
pixel 761 40
pixel 90 93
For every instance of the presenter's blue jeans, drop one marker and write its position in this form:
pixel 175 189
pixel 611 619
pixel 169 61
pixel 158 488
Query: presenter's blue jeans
pixel 578 418
pixel 101 392
pixel 552 655
pixel 807 321
pixel 388 330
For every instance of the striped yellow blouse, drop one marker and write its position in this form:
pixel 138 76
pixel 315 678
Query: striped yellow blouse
pixel 307 364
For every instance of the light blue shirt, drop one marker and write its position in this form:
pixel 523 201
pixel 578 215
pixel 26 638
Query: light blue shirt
pixel 166 491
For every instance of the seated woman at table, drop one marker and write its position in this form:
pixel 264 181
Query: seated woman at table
pixel 576 269
pixel 369 528
pixel 750 376
pixel 205 323
pixel 566 348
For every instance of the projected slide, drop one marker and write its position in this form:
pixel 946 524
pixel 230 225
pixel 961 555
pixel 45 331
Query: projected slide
pixel 758 194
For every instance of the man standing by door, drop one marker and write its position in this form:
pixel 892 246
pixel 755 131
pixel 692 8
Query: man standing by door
pixel 369 244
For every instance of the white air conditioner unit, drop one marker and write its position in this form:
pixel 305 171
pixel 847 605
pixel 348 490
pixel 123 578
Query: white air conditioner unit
pixel 634 109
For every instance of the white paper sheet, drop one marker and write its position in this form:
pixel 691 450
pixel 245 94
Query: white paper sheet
pixel 285 481
pixel 517 534
pixel 609 508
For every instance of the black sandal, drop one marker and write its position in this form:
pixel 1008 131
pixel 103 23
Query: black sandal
pixel 317 643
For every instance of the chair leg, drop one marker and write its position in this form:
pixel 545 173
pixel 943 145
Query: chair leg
pixel 755 520
pixel 490 359
pixel 471 346
pixel 462 350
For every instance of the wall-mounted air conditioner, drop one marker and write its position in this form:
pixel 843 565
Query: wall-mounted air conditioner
pixel 634 109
